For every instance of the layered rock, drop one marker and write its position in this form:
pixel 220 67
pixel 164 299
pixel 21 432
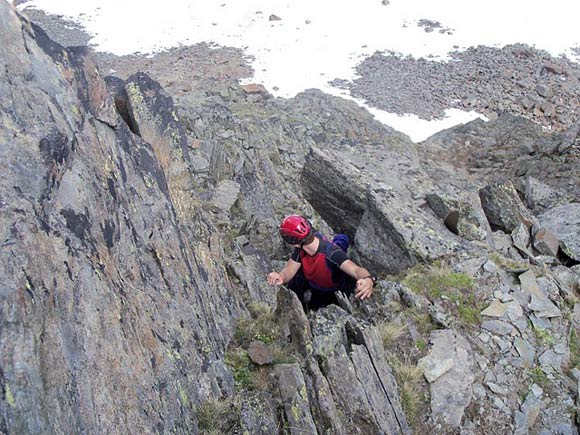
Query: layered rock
pixel 107 287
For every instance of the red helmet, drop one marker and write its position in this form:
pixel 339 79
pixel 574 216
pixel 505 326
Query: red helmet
pixel 294 229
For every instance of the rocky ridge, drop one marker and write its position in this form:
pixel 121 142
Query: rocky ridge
pixel 139 227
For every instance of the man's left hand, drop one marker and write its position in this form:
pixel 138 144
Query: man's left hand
pixel 364 288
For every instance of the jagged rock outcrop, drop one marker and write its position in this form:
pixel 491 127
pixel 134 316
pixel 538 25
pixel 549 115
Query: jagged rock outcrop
pixel 374 189
pixel 107 287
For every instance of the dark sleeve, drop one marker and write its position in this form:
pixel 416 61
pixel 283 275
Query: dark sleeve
pixel 296 255
pixel 336 255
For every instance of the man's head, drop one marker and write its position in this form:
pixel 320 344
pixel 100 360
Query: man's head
pixel 296 230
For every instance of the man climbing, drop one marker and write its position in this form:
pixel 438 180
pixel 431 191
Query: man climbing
pixel 318 265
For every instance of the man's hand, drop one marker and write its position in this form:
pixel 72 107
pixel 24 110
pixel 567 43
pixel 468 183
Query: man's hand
pixel 364 288
pixel 274 278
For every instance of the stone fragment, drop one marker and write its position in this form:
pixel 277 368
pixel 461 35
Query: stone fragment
pixel 497 327
pixel 530 285
pixel 538 194
pixel 274 17
pixel 526 350
pixel 254 88
pixel 569 138
pixel 550 360
pixel 521 423
pixel 497 389
pixel 546 242
pixel 462 215
pixel 434 368
pixel 544 307
pixel 495 309
pixel 514 310
pixel 199 164
pixel 521 237
pixel 225 195
pixel 544 91
pixel 260 353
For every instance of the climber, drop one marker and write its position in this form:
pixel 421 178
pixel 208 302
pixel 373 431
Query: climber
pixel 319 267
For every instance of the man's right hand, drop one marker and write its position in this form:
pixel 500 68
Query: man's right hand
pixel 274 278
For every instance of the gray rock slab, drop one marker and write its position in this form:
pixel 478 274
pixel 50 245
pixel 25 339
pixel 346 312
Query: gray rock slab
pixel 526 351
pixel 521 236
pixel 530 285
pixel 290 312
pixel 543 307
pixel 294 399
pixel 495 309
pixel 451 391
pixel 551 359
pixel 539 195
pixel 225 195
pixel 497 327
pixel 546 242
pixel 531 408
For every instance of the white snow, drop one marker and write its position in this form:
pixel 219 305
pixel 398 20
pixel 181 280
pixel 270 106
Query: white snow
pixel 319 40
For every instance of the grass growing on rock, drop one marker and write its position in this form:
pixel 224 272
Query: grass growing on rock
pixel 217 417
pixel 390 332
pixel 239 362
pixel 411 389
pixel 507 263
pixel 262 326
pixel 435 282
pixel 544 336
pixel 574 349
pixel 456 291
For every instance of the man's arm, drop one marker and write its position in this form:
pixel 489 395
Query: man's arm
pixel 286 274
pixel 364 282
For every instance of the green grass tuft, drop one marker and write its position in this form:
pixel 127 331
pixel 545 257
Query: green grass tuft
pixel 218 417
pixel 434 282
pixel 241 366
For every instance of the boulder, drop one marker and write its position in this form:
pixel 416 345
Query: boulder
pixel 539 196
pixel 391 231
pixel 545 241
pixel 564 222
pixel 260 353
pixel 503 207
pixel 461 213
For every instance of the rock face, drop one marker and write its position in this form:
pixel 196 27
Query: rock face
pixel 138 227
pixel 105 288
